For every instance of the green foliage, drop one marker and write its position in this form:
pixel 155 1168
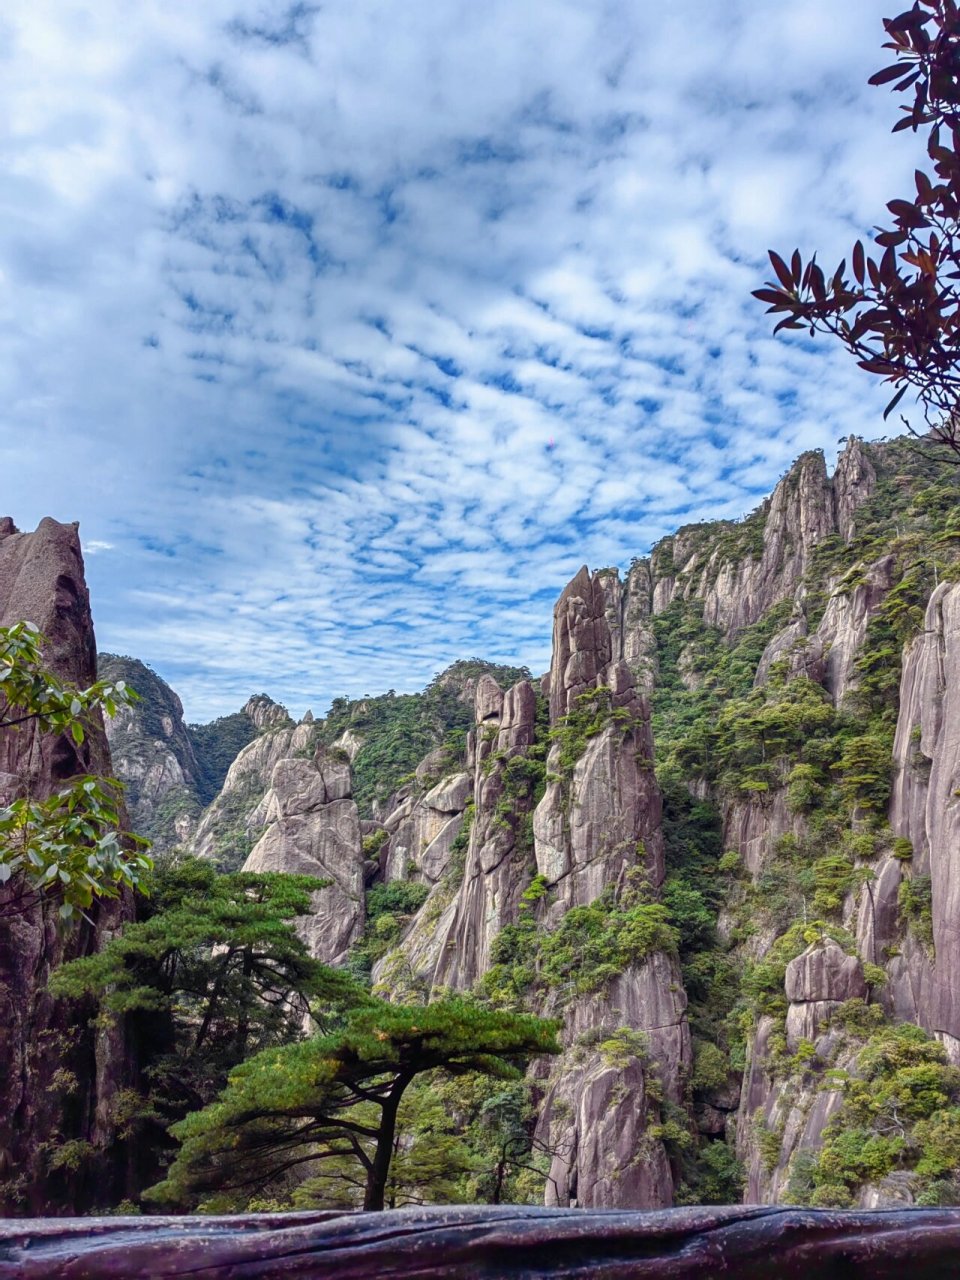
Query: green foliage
pixel 338 1097
pixel 900 1111
pixel 590 946
pixel 593 944
pixel 769 1144
pixel 388 909
pixel 902 849
pixel 399 897
pixel 915 900
pixel 624 1046
pixel 713 1176
pixel 711 1069
pixel 398 730
pixel 216 971
pixel 373 843
pixel 216 746
pixel 69 847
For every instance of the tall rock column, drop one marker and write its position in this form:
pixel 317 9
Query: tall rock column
pixel 926 810
pixel 627 1043
pixel 500 862
pixel 601 812
pixel 45 1042
pixel 448 943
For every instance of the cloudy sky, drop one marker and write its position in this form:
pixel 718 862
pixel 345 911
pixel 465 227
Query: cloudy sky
pixel 348 331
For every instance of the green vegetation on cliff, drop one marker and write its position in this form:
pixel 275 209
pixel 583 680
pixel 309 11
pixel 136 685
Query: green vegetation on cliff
pixel 396 731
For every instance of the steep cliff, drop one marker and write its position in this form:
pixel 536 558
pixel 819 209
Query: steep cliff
pixel 801 671
pixel 153 755
pixel 312 828
pixel 552 904
pixel 234 820
pixel 60 1077
pixel 779 698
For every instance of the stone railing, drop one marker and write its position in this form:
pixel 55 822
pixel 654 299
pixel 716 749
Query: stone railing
pixel 488 1243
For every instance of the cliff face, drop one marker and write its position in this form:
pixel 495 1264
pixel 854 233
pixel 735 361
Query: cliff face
pixel 234 821
pixel 740 571
pixel 545 838
pixel 925 809
pixel 718 840
pixel 59 1079
pixel 758 664
pixel 312 829
pixel 153 755
pixel 597 825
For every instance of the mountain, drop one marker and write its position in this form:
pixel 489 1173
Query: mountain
pixel 718 840
pixel 172 770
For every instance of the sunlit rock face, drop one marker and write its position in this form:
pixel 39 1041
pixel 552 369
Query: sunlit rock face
pixel 234 821
pixel 312 828
pixel 594 826
pixel 153 755
pixel 449 943
pixel 42 581
pixel 926 806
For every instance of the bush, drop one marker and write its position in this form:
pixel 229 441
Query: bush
pixel 915 900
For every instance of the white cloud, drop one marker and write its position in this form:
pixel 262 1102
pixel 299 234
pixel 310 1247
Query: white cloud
pixel 294 299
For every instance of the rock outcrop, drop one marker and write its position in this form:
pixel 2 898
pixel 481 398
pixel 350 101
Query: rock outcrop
pixel 153 755
pixel 45 1044
pixel 312 828
pixel 598 821
pixel 817 982
pixel 925 808
pixel 232 824
pixel 739 571
pixel 600 814
pixel 448 945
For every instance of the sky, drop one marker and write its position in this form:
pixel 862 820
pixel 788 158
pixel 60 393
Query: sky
pixel 349 331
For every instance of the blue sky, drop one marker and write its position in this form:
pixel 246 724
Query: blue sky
pixel 349 331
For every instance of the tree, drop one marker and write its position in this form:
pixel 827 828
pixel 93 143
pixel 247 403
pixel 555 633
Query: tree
pixel 69 846
pixel 215 972
pixel 338 1096
pixel 900 315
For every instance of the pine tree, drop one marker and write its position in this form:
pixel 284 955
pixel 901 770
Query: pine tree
pixel 337 1098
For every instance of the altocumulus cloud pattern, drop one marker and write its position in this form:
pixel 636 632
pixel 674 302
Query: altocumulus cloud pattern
pixel 348 331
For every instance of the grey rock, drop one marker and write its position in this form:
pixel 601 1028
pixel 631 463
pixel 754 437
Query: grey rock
pixel 314 829
pixel 824 972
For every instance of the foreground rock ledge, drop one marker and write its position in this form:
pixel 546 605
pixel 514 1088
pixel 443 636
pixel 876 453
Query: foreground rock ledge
pixel 422 1244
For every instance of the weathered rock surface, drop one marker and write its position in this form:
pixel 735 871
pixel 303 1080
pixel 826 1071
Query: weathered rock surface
pixel 591 828
pixel 42 581
pixel 854 480
pixel 313 829
pixel 448 944
pixel 599 1101
pixel 494 1243
pixel 499 862
pixel 604 818
pixel 817 982
pixel 267 714
pixel 232 824
pixel 926 799
pixel 153 755
pixel 739 578
pixel 422 830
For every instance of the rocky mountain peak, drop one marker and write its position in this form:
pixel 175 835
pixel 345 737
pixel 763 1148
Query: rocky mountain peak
pixel 854 481
pixel 265 713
